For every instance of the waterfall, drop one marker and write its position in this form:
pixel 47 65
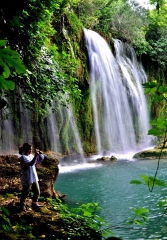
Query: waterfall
pixel 119 105
pixel 6 135
pixel 53 134
pixel 63 133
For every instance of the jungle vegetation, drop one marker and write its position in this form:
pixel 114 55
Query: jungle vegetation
pixel 42 50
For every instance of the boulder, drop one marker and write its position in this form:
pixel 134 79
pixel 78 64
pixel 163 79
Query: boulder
pixel 10 175
pixel 113 158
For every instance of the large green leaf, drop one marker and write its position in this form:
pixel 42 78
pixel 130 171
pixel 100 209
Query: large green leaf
pixel 6 84
pixel 159 123
pixel 149 180
pixel 155 132
pixel 157 98
pixel 16 63
pixel 162 89
pixel 150 85
pixel 10 58
pixel 6 72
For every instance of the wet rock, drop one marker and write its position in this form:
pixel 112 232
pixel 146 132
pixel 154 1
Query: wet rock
pixel 103 159
pixel 151 154
pixel 113 158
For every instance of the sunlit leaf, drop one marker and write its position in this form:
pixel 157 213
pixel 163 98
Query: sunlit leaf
pixel 87 214
pixel 162 203
pixel 140 211
pixel 135 182
pixel 15 228
pixel 151 180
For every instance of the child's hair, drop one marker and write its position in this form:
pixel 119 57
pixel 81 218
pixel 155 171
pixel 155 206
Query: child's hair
pixel 20 150
pixel 25 148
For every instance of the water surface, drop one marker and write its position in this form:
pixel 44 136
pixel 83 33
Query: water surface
pixel 108 184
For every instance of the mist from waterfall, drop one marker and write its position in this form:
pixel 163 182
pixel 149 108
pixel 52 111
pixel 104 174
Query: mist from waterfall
pixel 119 105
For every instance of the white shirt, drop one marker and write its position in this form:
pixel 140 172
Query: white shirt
pixel 29 174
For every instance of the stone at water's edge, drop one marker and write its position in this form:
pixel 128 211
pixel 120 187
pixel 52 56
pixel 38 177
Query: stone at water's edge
pixel 112 158
pixel 151 154
pixel 10 173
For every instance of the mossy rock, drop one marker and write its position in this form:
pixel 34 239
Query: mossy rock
pixel 151 154
pixel 113 159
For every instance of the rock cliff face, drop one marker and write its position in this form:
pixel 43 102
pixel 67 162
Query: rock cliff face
pixel 10 175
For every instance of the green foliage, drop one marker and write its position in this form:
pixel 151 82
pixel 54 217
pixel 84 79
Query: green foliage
pixel 67 224
pixel 15 22
pixel 76 224
pixel 48 77
pixel 141 216
pixel 75 24
pixel 148 180
pixel 158 94
pixel 4 219
pixel 124 27
pixel 89 212
pixel 137 182
pixel 163 203
pixel 89 12
pixel 23 229
pixel 81 218
pixel 5 211
pixel 18 229
pixel 9 59
pixel 58 205
pixel 160 126
pixel 157 32
pixel 158 50
pixel 51 72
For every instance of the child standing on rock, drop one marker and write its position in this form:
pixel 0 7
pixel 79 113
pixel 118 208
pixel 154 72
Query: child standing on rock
pixel 29 178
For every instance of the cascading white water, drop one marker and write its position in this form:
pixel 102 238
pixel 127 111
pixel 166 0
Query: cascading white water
pixel 120 110
pixel 53 133
pixel 63 133
pixel 6 136
pixel 25 125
